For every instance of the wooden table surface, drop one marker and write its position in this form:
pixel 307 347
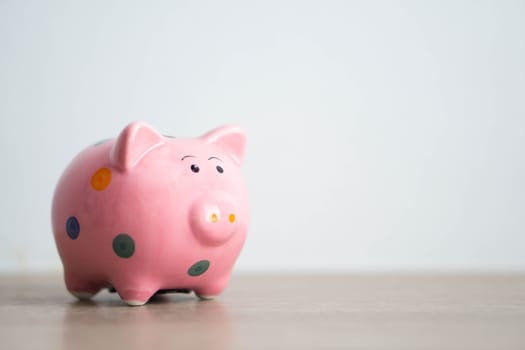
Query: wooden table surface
pixel 275 312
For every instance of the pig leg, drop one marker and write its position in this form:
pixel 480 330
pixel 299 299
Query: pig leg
pixel 135 297
pixel 213 289
pixel 81 289
pixel 134 293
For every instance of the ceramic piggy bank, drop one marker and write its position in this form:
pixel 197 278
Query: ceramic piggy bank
pixel 145 213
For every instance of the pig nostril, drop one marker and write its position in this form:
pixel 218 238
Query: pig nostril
pixel 214 217
pixel 232 218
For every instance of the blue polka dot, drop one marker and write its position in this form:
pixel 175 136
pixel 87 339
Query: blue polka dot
pixel 72 227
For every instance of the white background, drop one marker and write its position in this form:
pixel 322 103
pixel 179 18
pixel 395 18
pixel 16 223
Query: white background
pixel 383 135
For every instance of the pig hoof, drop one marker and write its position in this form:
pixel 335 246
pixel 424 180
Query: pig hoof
pixel 205 297
pixel 135 302
pixel 135 297
pixel 82 295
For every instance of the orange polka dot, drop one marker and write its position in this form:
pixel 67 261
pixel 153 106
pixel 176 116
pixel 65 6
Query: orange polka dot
pixel 101 179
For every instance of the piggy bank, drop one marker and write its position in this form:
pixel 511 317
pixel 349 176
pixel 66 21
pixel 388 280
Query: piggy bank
pixel 146 213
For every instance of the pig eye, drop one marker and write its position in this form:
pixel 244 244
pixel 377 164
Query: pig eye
pixel 194 168
pixel 219 169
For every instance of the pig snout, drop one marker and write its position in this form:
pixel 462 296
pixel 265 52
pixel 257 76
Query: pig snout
pixel 213 218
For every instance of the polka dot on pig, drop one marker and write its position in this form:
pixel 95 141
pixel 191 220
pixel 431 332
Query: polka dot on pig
pixel 199 268
pixel 72 227
pixel 123 245
pixel 101 179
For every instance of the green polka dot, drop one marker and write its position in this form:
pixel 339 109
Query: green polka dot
pixel 123 245
pixel 199 268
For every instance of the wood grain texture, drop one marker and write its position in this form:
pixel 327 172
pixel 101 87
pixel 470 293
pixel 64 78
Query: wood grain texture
pixel 276 312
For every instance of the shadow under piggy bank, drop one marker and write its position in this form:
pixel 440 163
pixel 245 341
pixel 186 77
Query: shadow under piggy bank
pixel 174 322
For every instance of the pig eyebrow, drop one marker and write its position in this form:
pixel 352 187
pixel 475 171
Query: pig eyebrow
pixel 187 157
pixel 214 158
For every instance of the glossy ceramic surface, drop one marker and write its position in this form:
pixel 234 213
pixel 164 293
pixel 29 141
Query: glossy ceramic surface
pixel 144 213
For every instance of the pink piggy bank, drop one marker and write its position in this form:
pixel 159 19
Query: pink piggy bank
pixel 145 213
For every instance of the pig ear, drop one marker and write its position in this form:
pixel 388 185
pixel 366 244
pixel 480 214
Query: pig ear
pixel 133 143
pixel 231 139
